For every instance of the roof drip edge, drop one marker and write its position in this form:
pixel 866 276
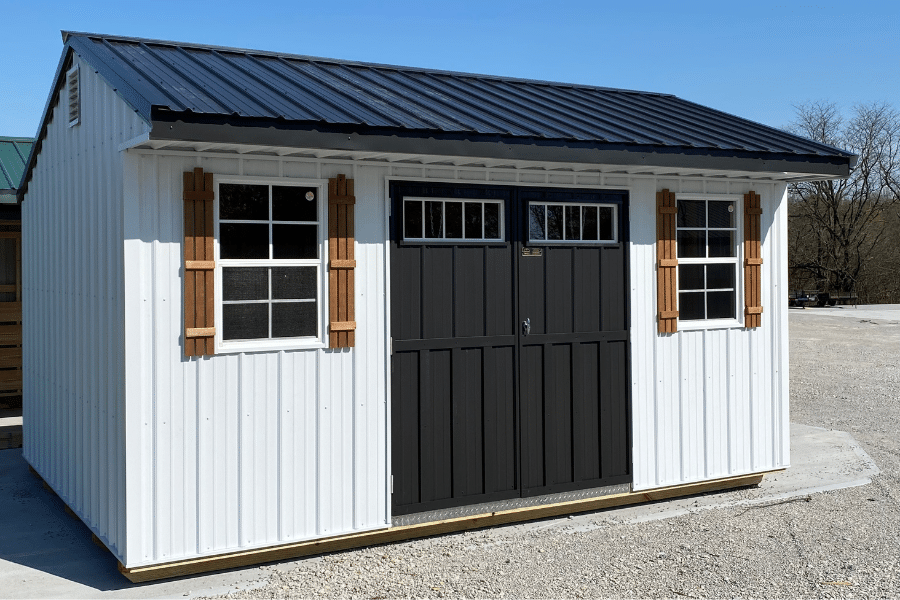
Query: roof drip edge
pixel 414 142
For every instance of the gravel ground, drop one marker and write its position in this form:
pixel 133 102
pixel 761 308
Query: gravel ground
pixel 845 375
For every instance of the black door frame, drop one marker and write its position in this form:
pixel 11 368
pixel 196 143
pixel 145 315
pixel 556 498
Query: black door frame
pixel 515 239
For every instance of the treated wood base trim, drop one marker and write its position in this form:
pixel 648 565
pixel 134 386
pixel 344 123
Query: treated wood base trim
pixel 419 530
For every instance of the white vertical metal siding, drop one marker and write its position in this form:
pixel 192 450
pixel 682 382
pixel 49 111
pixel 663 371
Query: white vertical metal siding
pixel 247 450
pixel 710 403
pixel 236 451
pixel 72 308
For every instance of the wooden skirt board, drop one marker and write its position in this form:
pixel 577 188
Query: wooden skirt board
pixel 420 530
pixel 509 356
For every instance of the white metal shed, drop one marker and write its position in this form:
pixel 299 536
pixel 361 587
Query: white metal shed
pixel 277 305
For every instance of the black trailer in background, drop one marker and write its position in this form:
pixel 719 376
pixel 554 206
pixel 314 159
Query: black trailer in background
pixel 509 356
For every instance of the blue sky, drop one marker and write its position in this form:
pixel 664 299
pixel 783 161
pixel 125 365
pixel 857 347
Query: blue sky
pixel 756 60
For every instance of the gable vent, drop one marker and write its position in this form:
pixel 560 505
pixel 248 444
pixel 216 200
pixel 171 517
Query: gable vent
pixel 74 94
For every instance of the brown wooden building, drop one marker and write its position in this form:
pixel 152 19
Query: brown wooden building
pixel 13 157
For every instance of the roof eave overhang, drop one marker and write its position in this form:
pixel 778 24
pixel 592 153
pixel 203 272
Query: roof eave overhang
pixel 120 86
pixel 189 127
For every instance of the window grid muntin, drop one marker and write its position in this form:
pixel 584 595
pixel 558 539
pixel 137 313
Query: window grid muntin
pixel 705 290
pixel 707 228
pixel 735 260
pixel 581 206
pixel 270 300
pixel 463 202
pixel 270 263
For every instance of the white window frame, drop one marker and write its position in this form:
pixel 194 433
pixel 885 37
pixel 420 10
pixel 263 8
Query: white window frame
pixel 737 260
pixel 275 344
pixel 545 203
pixel 463 240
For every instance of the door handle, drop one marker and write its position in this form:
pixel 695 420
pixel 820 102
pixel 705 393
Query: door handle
pixel 526 326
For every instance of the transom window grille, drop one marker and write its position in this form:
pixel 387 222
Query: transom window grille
pixel 269 249
pixel 707 259
pixel 459 220
pixel 571 222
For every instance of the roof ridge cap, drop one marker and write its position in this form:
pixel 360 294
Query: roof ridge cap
pixel 357 63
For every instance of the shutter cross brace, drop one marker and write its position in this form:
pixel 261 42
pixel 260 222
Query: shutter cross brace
pixel 341 263
pixel 752 261
pixel 667 263
pixel 199 285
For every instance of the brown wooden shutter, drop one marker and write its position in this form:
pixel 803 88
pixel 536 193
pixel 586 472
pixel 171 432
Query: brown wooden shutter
pixel 752 261
pixel 667 263
pixel 341 263
pixel 199 267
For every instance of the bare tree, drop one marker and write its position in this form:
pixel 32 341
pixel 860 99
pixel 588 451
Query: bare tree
pixel 837 227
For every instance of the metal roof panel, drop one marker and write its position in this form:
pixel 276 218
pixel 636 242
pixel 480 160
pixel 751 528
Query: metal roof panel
pixel 215 84
pixel 13 156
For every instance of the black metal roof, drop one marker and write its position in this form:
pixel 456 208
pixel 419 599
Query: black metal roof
pixel 209 80
pixel 195 89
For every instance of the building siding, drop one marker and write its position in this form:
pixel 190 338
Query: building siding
pixel 708 403
pixel 73 309
pixel 240 451
pixel 248 450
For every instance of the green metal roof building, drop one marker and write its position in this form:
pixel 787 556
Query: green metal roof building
pixel 14 154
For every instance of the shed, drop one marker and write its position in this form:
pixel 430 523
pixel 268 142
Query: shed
pixel 279 304
pixel 14 153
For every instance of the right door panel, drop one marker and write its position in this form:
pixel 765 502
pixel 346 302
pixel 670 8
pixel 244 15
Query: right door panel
pixel 574 372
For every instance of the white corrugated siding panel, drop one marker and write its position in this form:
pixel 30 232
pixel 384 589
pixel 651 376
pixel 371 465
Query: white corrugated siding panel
pixel 712 403
pixel 250 450
pixel 370 410
pixel 254 449
pixel 72 307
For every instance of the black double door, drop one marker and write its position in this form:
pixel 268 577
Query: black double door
pixel 509 357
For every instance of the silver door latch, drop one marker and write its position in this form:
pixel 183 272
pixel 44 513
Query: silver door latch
pixel 526 326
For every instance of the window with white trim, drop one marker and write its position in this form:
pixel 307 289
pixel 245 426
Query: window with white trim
pixel 452 220
pixel 270 249
pixel 565 222
pixel 708 246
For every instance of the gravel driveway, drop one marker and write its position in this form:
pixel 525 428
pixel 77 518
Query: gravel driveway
pixel 845 375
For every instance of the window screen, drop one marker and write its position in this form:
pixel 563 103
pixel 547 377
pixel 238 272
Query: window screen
pixel 270 251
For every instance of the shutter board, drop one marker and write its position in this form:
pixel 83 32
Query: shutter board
pixel 199 274
pixel 753 261
pixel 341 263
pixel 667 263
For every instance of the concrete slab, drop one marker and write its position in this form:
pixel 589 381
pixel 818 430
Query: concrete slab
pixel 821 460
pixel 878 312
pixel 44 553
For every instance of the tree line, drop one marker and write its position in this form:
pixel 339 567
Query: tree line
pixel 844 234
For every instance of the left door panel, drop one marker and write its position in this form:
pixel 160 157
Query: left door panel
pixel 454 342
